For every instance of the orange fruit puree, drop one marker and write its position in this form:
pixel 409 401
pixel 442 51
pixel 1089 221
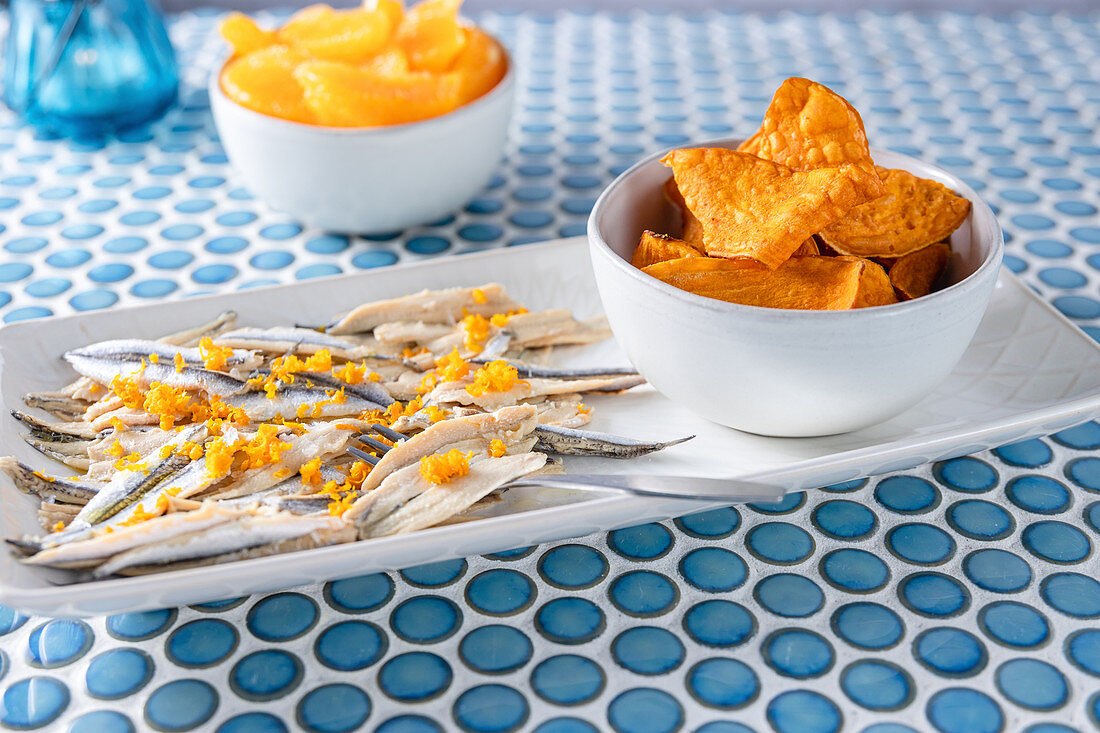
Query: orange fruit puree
pixel 365 67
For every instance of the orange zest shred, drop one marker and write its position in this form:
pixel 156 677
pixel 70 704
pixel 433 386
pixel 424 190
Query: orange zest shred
pixel 154 358
pixel 264 448
pixel 159 508
pixel 436 413
pixel 477 331
pixel 479 296
pixel 496 376
pixel 131 462
pixel 443 468
pixel 351 373
pixel 449 368
pixel 311 472
pixel 497 448
pixel 374 377
pixel 583 409
pixel 500 320
pixel 213 356
pixel 57 527
pixel 115 449
pixel 179 362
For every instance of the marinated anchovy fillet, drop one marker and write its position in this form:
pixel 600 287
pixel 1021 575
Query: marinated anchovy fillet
pixel 56 431
pixel 192 336
pixel 138 349
pixel 572 442
pixel 225 442
pixel 105 369
pixel 290 340
pixel 129 486
pixel 223 537
pixel 38 484
pixel 429 306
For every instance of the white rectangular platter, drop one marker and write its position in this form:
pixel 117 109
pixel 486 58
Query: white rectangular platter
pixel 1028 372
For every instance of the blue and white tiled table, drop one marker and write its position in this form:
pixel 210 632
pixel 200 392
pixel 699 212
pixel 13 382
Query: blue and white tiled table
pixel 960 597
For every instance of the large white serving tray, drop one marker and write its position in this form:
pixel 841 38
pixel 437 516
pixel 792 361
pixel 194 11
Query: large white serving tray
pixel 1028 372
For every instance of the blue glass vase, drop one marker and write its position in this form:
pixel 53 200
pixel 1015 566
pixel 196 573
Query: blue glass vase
pixel 88 68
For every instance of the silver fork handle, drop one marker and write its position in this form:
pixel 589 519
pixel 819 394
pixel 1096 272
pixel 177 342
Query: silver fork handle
pixel 667 487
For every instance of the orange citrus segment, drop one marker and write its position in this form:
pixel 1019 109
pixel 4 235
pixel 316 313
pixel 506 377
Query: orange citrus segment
pixel 392 9
pixel 343 96
pixel 431 35
pixel 339 35
pixel 391 62
pixel 480 65
pixel 242 33
pixel 264 81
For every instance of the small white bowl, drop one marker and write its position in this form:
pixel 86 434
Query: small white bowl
pixel 367 180
pixel 786 372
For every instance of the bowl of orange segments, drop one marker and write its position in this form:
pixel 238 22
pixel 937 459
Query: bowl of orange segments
pixel 364 120
pixel 798 283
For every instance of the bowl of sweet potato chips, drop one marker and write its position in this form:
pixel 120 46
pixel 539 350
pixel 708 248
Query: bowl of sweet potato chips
pixel 369 119
pixel 797 283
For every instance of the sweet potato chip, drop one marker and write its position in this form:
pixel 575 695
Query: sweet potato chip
pixel 810 126
pixel 750 207
pixel 912 214
pixel 804 283
pixel 807 248
pixel 914 274
pixel 874 284
pixel 654 248
pixel 690 228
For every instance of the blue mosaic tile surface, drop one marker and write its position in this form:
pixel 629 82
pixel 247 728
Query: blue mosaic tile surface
pixel 960 597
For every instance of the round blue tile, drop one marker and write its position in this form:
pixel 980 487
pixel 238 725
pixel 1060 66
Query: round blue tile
pixel 644 542
pixel 779 543
pixel 491 709
pixel 722 683
pixel 58 642
pixel 266 675
pixel 333 708
pixel 867 625
pixel 877 685
pixel 568 679
pixel 425 619
pixel 1032 684
pixel 950 652
pixel 500 592
pixel 282 617
pixel 647 650
pixel 962 710
pixel 180 705
pixel 573 567
pixel 414 676
pixel 118 673
pixel 359 594
pixel 645 710
pixel 1013 624
pixel 495 649
pixel 803 711
pixel 854 571
pixel 791 596
pixel 643 593
pixel 798 653
pixel 201 643
pixel 33 702
pixel 844 520
pixel 713 569
pixel 350 646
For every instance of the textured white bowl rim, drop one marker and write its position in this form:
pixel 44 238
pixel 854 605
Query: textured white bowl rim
pixel 986 220
pixel 501 87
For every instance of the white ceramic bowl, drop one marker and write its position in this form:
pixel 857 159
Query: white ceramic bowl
pixel 785 372
pixel 367 180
